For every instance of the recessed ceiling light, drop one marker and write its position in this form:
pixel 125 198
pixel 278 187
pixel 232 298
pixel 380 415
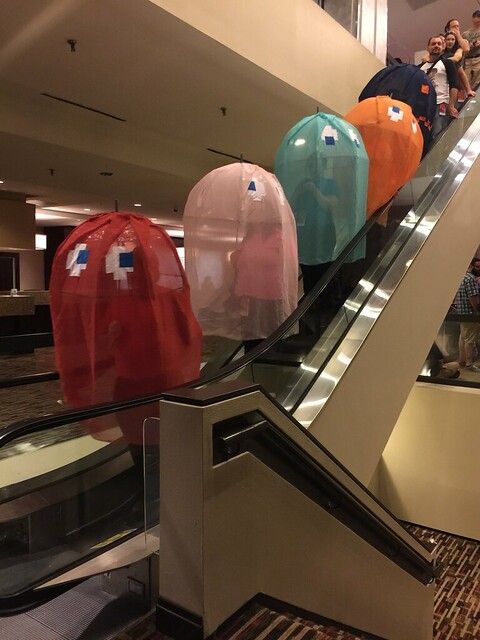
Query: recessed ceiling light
pixel 137 204
pixel 87 209
pixel 1 181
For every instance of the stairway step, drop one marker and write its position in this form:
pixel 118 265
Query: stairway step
pixel 259 621
pixel 456 614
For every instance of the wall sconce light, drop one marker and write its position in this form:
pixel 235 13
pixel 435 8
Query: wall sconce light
pixel 40 241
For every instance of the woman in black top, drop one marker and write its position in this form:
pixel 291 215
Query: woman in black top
pixel 456 48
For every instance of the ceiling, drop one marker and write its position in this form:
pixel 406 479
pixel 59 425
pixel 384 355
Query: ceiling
pixel 165 80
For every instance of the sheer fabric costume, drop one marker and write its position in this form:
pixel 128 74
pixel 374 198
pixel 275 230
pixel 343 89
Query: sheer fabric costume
pixel 122 319
pixel 323 168
pixel 240 252
pixel 394 144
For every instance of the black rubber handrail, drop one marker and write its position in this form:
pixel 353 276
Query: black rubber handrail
pixel 29 425
pixel 278 452
pixel 449 382
pixel 26 340
pixel 236 388
pixel 68 416
pixel 31 378
pixel 462 317
pixel 32 426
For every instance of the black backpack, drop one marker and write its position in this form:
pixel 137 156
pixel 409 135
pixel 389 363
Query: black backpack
pixel 409 84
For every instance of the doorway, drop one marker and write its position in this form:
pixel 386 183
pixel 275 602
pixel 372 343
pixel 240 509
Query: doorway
pixel 9 271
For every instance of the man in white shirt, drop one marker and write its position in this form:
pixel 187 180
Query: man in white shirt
pixel 444 76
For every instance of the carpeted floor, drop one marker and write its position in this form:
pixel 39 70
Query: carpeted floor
pixel 456 613
pixel 39 361
pixel 29 401
pixel 262 624
pixel 32 400
pixel 457 596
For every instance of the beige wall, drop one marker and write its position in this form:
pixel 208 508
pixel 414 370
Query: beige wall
pixel 17 225
pixel 430 472
pixel 240 519
pixel 32 272
pixel 409 29
pixel 293 40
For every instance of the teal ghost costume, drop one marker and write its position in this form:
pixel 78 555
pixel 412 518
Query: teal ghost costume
pixel 322 166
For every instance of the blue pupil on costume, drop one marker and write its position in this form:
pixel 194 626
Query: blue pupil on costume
pixel 82 256
pixel 126 259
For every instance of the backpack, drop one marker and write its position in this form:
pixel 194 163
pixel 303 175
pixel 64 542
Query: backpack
pixel 409 84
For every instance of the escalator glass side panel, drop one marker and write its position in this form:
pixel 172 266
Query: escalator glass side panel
pixel 288 367
pixel 421 219
pixel 450 360
pixel 343 293
pixel 66 500
pixel 70 492
pixel 53 516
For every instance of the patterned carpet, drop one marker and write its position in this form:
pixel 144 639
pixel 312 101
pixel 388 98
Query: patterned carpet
pixel 262 623
pixel 457 597
pixel 456 613
pixel 32 400
pixel 39 361
pixel 18 403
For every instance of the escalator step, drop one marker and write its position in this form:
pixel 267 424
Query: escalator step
pixel 456 613
pixel 15 629
pixel 85 612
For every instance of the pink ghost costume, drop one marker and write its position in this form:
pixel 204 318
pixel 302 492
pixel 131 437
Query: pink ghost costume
pixel 240 252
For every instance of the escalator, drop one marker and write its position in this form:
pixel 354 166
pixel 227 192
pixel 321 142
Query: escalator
pixel 278 412
pixel 29 381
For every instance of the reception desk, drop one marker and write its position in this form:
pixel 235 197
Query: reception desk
pixel 27 312
pixel 22 304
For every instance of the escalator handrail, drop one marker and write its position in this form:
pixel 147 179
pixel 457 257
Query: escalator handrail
pixel 235 389
pixel 31 378
pixel 34 425
pixel 308 301
pixel 31 426
pixel 365 302
pixel 283 456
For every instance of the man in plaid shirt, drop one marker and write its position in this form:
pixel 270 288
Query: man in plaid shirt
pixel 467 302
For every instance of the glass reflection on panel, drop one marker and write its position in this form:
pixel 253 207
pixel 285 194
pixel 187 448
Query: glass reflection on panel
pixel 68 493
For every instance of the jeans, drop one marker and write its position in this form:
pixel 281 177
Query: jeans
pixel 440 122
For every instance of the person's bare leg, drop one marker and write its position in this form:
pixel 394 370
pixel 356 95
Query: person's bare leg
pixel 461 351
pixel 465 82
pixel 469 354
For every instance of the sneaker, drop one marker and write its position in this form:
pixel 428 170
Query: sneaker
pixel 449 373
